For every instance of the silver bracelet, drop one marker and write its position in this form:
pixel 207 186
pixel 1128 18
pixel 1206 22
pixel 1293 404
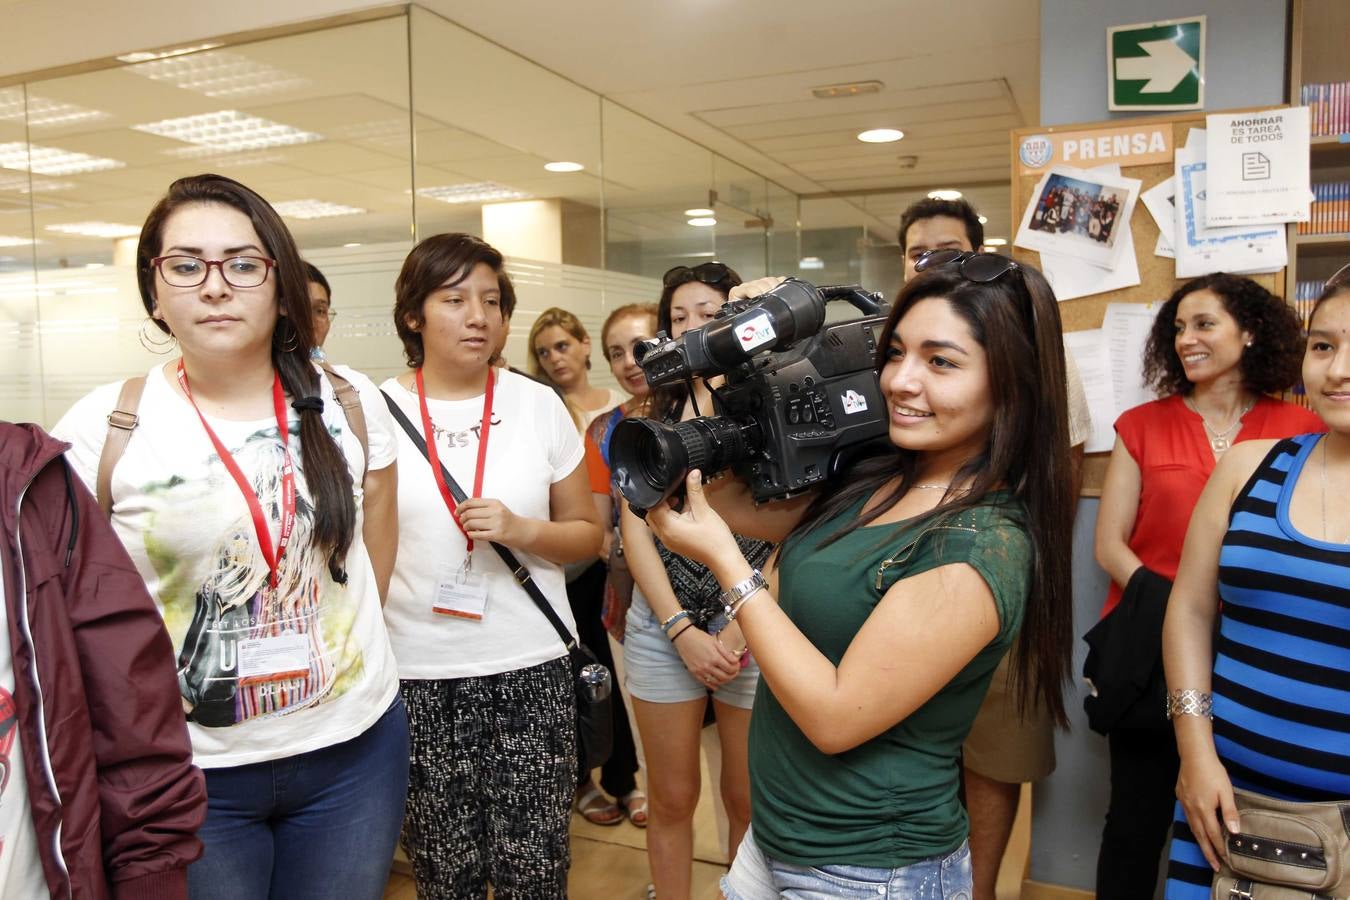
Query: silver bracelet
pixel 1190 702
pixel 734 596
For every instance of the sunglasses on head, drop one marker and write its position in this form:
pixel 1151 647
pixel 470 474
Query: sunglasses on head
pixel 980 267
pixel 1341 277
pixel 708 273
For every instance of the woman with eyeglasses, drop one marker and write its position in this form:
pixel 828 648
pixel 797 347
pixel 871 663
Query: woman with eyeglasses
pixel 677 645
pixel 1220 347
pixel 1260 702
pixel 560 355
pixel 896 591
pixel 264 526
pixel 490 691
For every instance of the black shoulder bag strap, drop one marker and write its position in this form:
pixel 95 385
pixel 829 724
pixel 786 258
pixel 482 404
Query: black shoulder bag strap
pixel 518 570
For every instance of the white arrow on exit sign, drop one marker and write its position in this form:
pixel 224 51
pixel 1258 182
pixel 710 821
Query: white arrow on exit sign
pixel 1164 67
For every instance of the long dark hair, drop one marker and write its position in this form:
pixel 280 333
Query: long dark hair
pixel 325 466
pixel 1270 364
pixel 1015 318
pixel 665 402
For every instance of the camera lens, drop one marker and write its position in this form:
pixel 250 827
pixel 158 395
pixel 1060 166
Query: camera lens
pixel 651 459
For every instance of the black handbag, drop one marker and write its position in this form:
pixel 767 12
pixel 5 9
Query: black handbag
pixel 592 681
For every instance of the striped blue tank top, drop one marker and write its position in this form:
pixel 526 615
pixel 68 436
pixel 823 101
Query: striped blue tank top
pixel 1282 670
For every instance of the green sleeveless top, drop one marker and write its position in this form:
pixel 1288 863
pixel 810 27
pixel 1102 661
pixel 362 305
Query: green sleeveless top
pixel 893 800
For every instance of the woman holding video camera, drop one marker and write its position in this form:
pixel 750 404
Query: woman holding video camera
pixel 896 592
pixel 677 646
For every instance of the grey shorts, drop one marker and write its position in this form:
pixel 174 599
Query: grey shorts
pixel 656 673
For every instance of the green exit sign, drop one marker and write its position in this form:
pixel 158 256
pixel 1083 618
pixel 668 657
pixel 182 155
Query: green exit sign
pixel 1157 65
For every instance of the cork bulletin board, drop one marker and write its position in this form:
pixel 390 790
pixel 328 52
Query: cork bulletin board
pixel 1091 145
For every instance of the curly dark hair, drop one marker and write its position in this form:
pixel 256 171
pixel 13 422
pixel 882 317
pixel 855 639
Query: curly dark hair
pixel 1270 364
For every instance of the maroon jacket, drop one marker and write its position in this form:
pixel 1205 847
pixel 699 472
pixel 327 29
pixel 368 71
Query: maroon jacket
pixel 115 798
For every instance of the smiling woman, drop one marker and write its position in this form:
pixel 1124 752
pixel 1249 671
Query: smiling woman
pixel 1219 346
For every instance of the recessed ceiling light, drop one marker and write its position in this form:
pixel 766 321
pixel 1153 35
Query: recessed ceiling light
pixel 473 192
pixel 141 56
pixel 984 220
pixel 852 89
pixel 352 244
pixel 698 212
pixel 314 209
pixel 996 242
pixel 564 166
pixel 97 229
pixel 7 240
pixel 810 262
pixel 944 195
pixel 228 131
pixel 702 221
pixel 94 265
pixel 52 160
pixel 880 135
pixel 220 74
pixel 40 112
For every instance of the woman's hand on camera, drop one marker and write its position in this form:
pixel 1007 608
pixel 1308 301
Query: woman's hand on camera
pixel 486 519
pixel 749 289
pixel 705 659
pixel 1204 787
pixel 697 532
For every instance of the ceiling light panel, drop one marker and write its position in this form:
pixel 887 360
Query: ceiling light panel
pixel 141 56
pixel 96 229
pixel 52 160
pixel 228 131
pixel 314 209
pixel 220 74
pixel 25 184
pixel 473 192
pixel 8 240
pixel 40 112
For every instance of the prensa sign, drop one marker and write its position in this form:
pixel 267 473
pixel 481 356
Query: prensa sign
pixel 1130 145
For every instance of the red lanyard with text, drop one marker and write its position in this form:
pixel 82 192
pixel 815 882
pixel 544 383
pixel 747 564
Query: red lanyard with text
pixel 434 457
pixel 287 478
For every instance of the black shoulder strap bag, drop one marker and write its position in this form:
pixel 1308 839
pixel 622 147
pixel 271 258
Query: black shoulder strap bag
pixel 593 682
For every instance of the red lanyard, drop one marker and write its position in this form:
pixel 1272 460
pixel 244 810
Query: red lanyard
pixel 434 457
pixel 260 524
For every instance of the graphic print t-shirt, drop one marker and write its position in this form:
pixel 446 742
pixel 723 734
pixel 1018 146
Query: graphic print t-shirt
pixel 189 531
pixel 532 443
pixel 20 865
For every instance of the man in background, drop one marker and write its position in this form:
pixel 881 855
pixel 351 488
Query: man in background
pixel 1004 749
pixel 321 306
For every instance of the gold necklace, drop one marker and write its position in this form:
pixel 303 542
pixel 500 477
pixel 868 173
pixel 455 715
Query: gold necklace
pixel 1218 440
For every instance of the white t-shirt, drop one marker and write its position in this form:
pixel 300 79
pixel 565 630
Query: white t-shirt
pixel 20 866
pixel 590 415
pixel 532 444
pixel 188 529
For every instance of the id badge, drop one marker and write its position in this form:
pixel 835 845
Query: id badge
pixel 273 658
pixel 462 594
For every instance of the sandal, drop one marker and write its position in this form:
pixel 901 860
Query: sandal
pixel 596 808
pixel 634 805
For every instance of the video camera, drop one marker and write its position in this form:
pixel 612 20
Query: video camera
pixel 799 395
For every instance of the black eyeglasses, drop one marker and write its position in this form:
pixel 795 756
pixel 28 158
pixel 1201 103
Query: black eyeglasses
pixel 708 273
pixel 981 267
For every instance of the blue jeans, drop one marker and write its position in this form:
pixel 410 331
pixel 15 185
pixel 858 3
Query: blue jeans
pixel 754 876
pixel 319 825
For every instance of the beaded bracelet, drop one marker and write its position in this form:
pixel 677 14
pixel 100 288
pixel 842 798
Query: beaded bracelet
pixel 1190 702
pixel 670 622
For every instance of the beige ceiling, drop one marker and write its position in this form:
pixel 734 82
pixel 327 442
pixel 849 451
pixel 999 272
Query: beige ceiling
pixel 731 77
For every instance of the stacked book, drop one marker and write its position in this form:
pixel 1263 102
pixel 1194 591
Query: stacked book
pixel 1329 106
pixel 1330 209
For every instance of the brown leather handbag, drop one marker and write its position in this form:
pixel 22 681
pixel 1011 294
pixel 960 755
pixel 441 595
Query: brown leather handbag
pixel 1286 851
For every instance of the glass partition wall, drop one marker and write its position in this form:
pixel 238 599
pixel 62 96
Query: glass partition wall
pixel 366 137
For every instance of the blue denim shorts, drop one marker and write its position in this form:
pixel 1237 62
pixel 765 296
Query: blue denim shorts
pixel 754 876
pixel 656 673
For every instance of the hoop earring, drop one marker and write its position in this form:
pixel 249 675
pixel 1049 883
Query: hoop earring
pixel 158 347
pixel 294 337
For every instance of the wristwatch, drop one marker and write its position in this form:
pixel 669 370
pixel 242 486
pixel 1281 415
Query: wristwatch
pixel 734 596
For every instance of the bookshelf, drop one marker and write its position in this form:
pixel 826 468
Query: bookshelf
pixel 1317 57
